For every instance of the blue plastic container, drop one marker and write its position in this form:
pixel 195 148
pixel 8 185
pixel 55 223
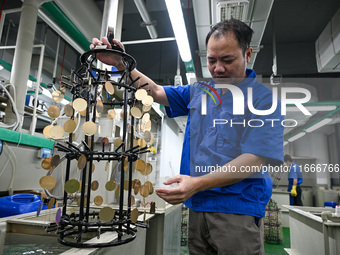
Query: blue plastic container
pixel 330 204
pixel 19 204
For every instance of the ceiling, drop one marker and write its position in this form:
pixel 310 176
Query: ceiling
pixel 297 25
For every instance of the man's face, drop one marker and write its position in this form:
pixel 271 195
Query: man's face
pixel 226 59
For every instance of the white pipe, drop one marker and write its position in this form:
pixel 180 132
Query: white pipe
pixel 150 40
pixel 60 32
pixel 144 13
pixel 41 60
pixel 56 60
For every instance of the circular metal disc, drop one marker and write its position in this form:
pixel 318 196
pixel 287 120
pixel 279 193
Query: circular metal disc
pixel 85 201
pixel 134 215
pixel 150 187
pixel 83 113
pixel 147 101
pixel 126 163
pixel 109 88
pixel 107 165
pixel 117 142
pixel 56 132
pixel 151 140
pixel 117 191
pixel 79 104
pixel 46 164
pixel 146 117
pixel 126 185
pixel 82 162
pixel 106 214
pixel 57 96
pixel 147 136
pixel 135 112
pixel 147 108
pixel 146 126
pixel 98 200
pixel 70 126
pixel 148 169
pixel 136 188
pixel 141 94
pixel 89 128
pixel 72 186
pixel 144 190
pixel 53 111
pixel 68 110
pixel 46 131
pixel 132 200
pixel 122 114
pixel 100 106
pixel 141 143
pixel 93 167
pixel 58 216
pixel 51 203
pixel 94 185
pixel 111 113
pixel 110 185
pixel 140 165
pixel 47 182
pixel 55 160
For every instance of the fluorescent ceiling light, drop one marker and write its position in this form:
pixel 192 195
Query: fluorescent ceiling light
pixel 144 13
pixel 319 124
pixel 295 137
pixel 178 26
pixel 313 108
pixel 285 143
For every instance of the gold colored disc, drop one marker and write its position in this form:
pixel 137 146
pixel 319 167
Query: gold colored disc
pixel 93 167
pixel 146 126
pixel 79 104
pixel 150 187
pixel 132 200
pixel 126 163
pixel 107 165
pixel 46 164
pixel 83 113
pixel 135 112
pixel 109 88
pixel 57 96
pixel 148 169
pixel 147 108
pixel 126 185
pixel 51 203
pixel 110 185
pixel 56 132
pixel 68 110
pixel 55 160
pixel 106 214
pixel 146 117
pixel 71 186
pixel 53 111
pixel 117 191
pixel 134 215
pixel 140 165
pixel 141 143
pixel 100 106
pixel 46 131
pixel 85 201
pixel 136 189
pixel 111 113
pixel 82 162
pixel 70 126
pixel 147 136
pixel 47 182
pixel 144 190
pixel 141 94
pixel 94 185
pixel 98 200
pixel 117 142
pixel 122 114
pixel 79 190
pixel 89 128
pixel 148 100
pixel 151 140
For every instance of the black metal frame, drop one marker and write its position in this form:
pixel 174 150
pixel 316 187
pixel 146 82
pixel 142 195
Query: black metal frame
pixel 79 224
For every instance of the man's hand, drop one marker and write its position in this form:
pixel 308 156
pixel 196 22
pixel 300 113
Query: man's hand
pixel 109 59
pixel 293 192
pixel 187 187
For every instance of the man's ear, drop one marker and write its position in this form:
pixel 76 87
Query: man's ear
pixel 249 52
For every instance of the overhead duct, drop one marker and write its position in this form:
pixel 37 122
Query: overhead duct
pixel 255 11
pixel 327 46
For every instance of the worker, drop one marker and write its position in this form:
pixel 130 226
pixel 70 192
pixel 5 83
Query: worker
pixel 294 181
pixel 227 203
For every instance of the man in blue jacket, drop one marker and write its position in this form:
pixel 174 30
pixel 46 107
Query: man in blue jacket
pixel 221 178
pixel 294 181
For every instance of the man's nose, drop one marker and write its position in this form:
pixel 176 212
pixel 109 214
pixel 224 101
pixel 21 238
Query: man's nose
pixel 219 68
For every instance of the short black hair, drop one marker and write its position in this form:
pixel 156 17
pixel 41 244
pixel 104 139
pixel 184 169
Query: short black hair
pixel 241 30
pixel 288 158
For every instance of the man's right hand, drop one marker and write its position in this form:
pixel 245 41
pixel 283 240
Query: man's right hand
pixel 107 58
pixel 293 192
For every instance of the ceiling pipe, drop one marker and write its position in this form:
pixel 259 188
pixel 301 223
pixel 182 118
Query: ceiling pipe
pixel 144 13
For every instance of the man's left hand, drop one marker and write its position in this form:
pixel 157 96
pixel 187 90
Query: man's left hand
pixel 187 187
